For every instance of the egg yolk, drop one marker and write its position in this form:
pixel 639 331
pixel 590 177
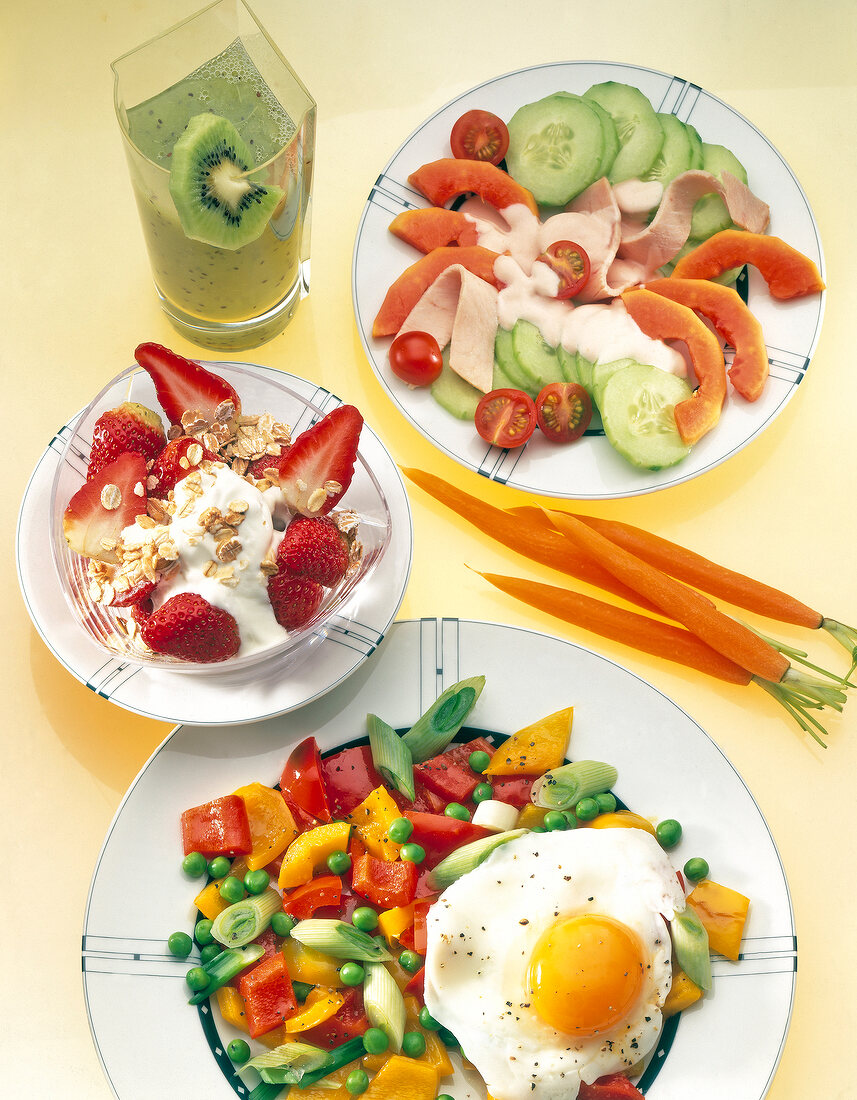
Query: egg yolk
pixel 585 974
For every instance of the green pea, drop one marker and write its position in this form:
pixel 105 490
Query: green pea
pixel 412 853
pixel 202 931
pixel 427 1020
pixel 196 978
pixel 209 952
pixel 696 869
pixel 456 810
pixel 375 1040
pixel 351 973
pixel 570 819
pixel 364 919
pixel 257 882
pixel 302 990
pixel 586 809
pixel 410 961
pixel 555 821
pixel 444 1096
pixel 483 792
pixel 194 864
pixel 238 1051
pixel 669 832
pixel 282 924
pixel 180 944
pixel 338 862
pixel 538 829
pixel 479 761
pixel 400 830
pixel 232 889
pixel 357 1081
pixel 606 802
pixel 219 867
pixel 413 1044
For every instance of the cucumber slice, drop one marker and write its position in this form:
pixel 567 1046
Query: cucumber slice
pixel 555 147
pixel 710 215
pixel 505 359
pixel 675 155
pixel 637 413
pixel 696 157
pixel 584 372
pixel 454 394
pixel 641 135
pixel 611 139
pixel 501 380
pixel 534 356
pixel 567 364
pixel 601 375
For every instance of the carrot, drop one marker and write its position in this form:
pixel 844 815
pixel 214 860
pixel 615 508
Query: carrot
pixel 724 634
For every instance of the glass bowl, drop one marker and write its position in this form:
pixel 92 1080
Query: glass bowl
pixel 261 389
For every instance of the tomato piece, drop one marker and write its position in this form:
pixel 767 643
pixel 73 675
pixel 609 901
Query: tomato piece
pixel 571 263
pixel 349 776
pixel 479 135
pixel 415 358
pixel 301 781
pixel 439 835
pixel 506 418
pixel 563 411
pixel 614 1086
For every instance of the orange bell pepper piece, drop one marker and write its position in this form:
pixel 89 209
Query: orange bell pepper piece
pixel 622 819
pixel 320 1005
pixel 723 912
pixel 308 853
pixel 536 748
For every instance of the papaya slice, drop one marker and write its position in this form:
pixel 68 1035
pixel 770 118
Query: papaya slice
pixel 415 280
pixel 432 227
pixel 663 319
pixel 723 307
pixel 441 180
pixel 788 273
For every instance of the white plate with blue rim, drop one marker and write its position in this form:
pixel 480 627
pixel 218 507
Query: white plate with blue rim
pixel 591 469
pixel 136 996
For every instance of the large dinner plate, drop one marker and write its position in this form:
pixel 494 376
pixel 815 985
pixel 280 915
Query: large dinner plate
pixel 236 697
pixel 151 1043
pixel 591 469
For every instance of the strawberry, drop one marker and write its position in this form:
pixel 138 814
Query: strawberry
pixel 266 462
pixel 187 626
pixel 184 386
pixel 294 600
pixel 102 506
pixel 313 548
pixel 317 469
pixel 175 462
pixel 131 427
pixel 138 593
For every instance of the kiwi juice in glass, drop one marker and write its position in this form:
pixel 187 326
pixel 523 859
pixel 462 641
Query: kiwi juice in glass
pixel 219 135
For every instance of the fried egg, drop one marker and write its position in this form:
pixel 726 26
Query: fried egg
pixel 550 961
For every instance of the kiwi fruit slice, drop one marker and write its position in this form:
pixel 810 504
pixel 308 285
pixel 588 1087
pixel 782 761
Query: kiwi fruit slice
pixel 217 200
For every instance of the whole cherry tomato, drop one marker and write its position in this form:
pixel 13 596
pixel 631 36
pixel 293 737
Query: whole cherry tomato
pixel 479 135
pixel 571 263
pixel 415 358
pixel 506 418
pixel 563 411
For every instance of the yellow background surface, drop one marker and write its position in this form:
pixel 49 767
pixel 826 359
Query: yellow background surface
pixel 77 297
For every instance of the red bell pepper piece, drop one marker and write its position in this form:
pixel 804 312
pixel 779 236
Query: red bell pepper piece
pixel 270 943
pixel 348 777
pixel 615 1086
pixel 514 789
pixel 302 783
pixel 349 1022
pixel 439 835
pixel 268 995
pixel 388 884
pixel 417 984
pixel 303 820
pixel 304 900
pixel 421 909
pixel 218 828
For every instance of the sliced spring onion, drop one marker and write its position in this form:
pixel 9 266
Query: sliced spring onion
pixel 391 756
pixel 384 1004
pixel 495 815
pixel 340 940
pixel 434 730
pixel 690 944
pixel 563 787
pixel 286 1064
pixel 242 922
pixel 226 966
pixel 340 1056
pixel 264 1091
pixel 467 857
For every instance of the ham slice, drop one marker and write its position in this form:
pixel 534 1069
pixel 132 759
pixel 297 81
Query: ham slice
pixel 607 279
pixel 659 241
pixel 460 309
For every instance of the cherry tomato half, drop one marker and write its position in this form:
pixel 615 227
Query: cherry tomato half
pixel 479 135
pixel 415 358
pixel 506 418
pixel 563 411
pixel 571 263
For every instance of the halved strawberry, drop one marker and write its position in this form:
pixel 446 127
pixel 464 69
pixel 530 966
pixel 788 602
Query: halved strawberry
pixel 175 462
pixel 104 505
pixel 317 469
pixel 187 626
pixel 184 386
pixel 138 593
pixel 131 427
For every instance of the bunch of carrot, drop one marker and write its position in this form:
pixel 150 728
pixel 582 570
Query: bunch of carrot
pixel 663 578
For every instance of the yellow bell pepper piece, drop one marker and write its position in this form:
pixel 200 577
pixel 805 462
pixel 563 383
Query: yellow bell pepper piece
pixel 529 816
pixel 393 922
pixel 272 827
pixel 403 1078
pixel 536 748
pixel 308 853
pixel 305 964
pixel 683 993
pixel 622 819
pixel 372 818
pixel 320 1005
pixel 231 1005
pixel 723 912
pixel 208 901
pixel 435 1053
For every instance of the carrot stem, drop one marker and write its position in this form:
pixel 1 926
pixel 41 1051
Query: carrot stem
pixel 845 635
